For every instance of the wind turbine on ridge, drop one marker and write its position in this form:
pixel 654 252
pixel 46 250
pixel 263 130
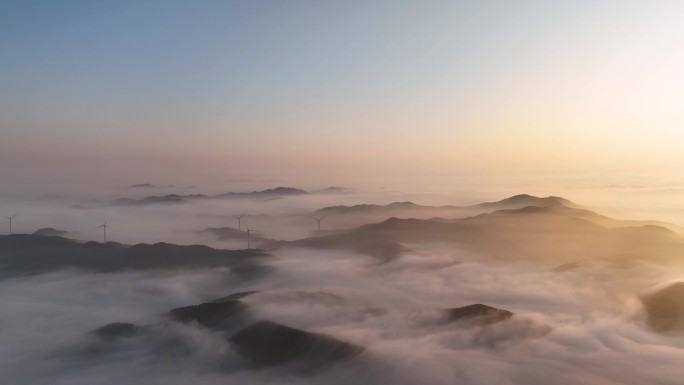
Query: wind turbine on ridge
pixel 249 232
pixel 239 218
pixel 318 220
pixel 10 220
pixel 104 232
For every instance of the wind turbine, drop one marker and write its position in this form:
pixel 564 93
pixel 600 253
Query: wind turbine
pixel 249 232
pixel 239 218
pixel 104 231
pixel 318 220
pixel 10 219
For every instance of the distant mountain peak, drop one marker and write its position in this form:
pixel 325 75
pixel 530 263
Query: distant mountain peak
pixel 175 198
pixel 519 197
pixel 530 200
pixel 282 190
pixel 483 313
pixel 527 197
pixel 335 190
pixel 50 231
pixel 402 204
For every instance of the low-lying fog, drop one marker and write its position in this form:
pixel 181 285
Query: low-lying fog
pixel 178 222
pixel 577 320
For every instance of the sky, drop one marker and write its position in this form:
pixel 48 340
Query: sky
pixel 120 92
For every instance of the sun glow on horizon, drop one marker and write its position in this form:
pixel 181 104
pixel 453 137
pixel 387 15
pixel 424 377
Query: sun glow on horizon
pixel 440 87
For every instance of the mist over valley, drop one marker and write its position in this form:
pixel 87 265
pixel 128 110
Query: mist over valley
pixel 515 290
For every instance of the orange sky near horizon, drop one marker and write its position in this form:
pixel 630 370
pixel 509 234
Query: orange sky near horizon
pixel 378 90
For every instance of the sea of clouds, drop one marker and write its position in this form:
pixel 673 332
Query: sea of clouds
pixel 581 326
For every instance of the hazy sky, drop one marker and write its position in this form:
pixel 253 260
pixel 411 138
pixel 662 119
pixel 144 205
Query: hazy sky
pixel 131 91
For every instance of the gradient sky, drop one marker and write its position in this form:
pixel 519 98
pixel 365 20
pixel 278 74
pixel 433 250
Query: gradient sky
pixel 195 91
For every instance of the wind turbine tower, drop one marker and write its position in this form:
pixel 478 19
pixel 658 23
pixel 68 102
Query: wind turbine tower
pixel 318 221
pixel 104 232
pixel 239 218
pixel 249 232
pixel 10 220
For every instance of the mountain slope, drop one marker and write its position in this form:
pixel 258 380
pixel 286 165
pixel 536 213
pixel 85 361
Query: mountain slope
pixel 553 231
pixel 33 254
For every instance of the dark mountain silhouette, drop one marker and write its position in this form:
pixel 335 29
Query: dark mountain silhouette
pixel 335 190
pixel 216 315
pixel 34 254
pixel 553 231
pixel 235 296
pixel 229 233
pixel 376 244
pixel 338 217
pixel 116 330
pixel 224 233
pixel 522 200
pixel 50 231
pixel 170 198
pixel 219 315
pixel 278 191
pixel 173 198
pixel 478 314
pixel 517 201
pixel 350 216
pixel 267 343
pixel 142 185
pixel 665 308
pixel 262 343
pixel 369 208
